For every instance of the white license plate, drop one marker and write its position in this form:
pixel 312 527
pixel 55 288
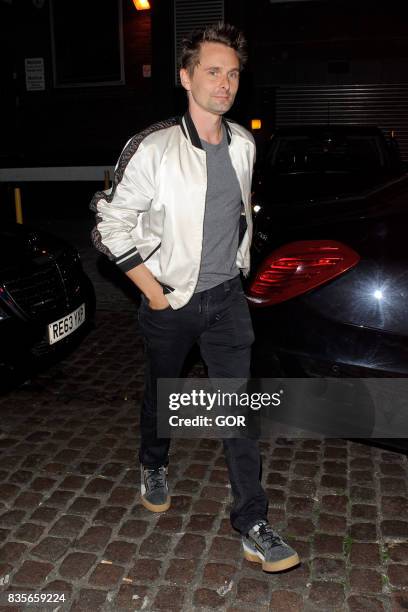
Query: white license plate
pixel 63 327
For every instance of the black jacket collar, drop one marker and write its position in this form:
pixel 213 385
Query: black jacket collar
pixel 190 131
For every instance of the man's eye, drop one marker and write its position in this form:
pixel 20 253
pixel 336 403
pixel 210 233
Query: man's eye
pixel 213 72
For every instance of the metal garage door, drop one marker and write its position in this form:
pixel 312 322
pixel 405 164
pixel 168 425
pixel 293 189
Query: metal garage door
pixel 382 105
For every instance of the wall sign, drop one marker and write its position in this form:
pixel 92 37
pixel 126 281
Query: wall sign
pixel 34 73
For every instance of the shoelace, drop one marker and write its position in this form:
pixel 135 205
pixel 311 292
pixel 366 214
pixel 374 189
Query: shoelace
pixel 268 535
pixel 156 478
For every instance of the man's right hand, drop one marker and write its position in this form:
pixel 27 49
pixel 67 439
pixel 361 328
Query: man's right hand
pixel 148 285
pixel 159 302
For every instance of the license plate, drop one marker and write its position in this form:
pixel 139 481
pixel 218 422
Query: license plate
pixel 63 327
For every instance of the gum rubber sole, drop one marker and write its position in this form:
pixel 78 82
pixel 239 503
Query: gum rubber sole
pixel 156 507
pixel 277 566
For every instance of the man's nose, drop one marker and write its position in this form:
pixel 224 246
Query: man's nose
pixel 225 82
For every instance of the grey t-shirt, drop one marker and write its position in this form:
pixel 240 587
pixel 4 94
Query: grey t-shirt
pixel 221 218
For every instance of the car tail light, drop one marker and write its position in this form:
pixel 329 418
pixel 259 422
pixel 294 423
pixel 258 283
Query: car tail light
pixel 298 267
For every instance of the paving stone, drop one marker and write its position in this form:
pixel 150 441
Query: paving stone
pixel 303 548
pixel 304 486
pixel 132 597
pixel 400 602
pixel 218 575
pixel 28 500
pixel 299 505
pixel 206 506
pixel 364 511
pixel 201 522
pixel 32 573
pixel 83 506
pixel 134 529
pixel 363 531
pixel 392 469
pixel 187 485
pixel 110 515
pixel 68 526
pixel 333 482
pixel 296 578
pixel 225 549
pixel 89 599
pixel 333 452
pixel 279 465
pixel 29 532
pixel 120 552
pixel 301 527
pixel 276 479
pixel 169 598
pixel 76 565
pixel 394 529
pixel 334 503
pixel 122 496
pixel 306 469
pixel 276 496
pixel 327 594
pixel 190 545
pixel 327 567
pixel 286 453
pixel 398 552
pixel 325 543
pixel 59 498
pixel 73 482
pixel 169 523
pixel 155 544
pixel 398 575
pixel 361 477
pixel 87 468
pixel 362 494
pixel 11 552
pixel 394 506
pixel 44 514
pixel 21 477
pixel 206 598
pixel 365 554
pixel 112 470
pixel 197 470
pixel 330 523
pixel 106 575
pixel 55 468
pixel 99 486
pixel 361 463
pixel 365 580
pixel 218 493
pixel 393 486
pixel 286 601
pixel 335 468
pixel 51 549
pixel 360 603
pixel 145 570
pixel 181 571
pixel 252 591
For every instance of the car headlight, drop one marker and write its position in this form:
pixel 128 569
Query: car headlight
pixel 3 314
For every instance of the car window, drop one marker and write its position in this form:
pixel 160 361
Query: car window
pixel 326 153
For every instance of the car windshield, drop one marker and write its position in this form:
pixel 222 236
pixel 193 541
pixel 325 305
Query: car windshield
pixel 327 152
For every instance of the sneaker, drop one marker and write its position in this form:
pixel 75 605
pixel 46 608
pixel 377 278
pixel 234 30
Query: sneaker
pixel 154 489
pixel 263 545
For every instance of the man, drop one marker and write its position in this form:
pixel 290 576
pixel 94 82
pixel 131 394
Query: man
pixel 171 222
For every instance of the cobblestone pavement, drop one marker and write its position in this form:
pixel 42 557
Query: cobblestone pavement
pixel 71 520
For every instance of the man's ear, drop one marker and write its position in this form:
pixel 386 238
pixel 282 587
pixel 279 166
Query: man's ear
pixel 185 79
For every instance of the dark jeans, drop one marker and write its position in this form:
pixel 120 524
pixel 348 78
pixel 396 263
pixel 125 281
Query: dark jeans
pixel 218 319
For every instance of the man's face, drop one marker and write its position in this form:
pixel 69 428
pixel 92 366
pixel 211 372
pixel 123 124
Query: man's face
pixel 214 83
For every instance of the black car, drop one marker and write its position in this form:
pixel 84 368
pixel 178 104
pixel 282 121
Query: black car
pixel 47 303
pixel 329 284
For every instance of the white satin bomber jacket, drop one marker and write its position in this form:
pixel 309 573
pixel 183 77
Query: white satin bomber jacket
pixel 154 211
